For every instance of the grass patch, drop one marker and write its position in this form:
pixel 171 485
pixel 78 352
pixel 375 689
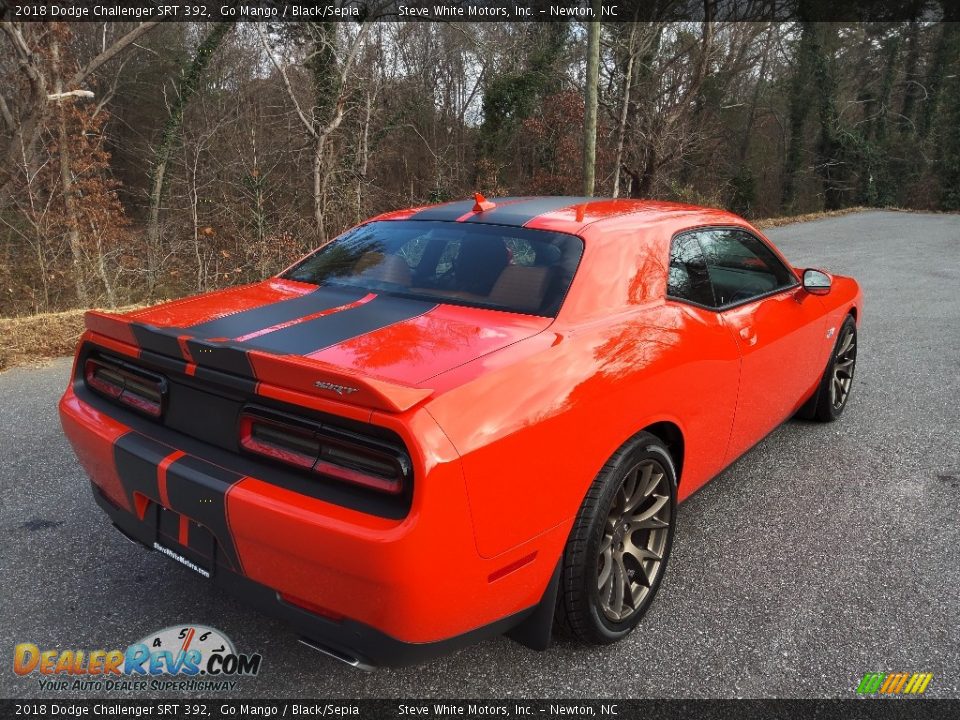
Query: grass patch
pixel 32 338
pixel 790 219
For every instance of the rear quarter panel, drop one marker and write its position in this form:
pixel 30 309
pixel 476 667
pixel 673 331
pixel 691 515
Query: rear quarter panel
pixel 535 422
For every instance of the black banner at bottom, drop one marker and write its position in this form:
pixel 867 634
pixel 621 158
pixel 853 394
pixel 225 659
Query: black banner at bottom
pixel 852 709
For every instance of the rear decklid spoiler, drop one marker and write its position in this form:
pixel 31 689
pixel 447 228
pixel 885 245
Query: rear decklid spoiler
pixel 293 372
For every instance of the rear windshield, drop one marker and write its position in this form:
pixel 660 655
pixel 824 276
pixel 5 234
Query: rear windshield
pixel 489 266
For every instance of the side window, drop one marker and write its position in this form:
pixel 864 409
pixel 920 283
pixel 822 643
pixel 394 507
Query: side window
pixel 688 278
pixel 741 266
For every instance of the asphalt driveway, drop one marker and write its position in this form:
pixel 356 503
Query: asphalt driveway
pixel 826 552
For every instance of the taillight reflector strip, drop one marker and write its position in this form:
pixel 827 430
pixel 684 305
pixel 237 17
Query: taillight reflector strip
pixel 325 451
pixel 141 390
pixel 280 442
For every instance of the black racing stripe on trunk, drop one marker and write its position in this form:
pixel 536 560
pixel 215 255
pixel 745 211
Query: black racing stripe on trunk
pixel 137 458
pixel 221 356
pixel 520 213
pixel 244 385
pixel 258 318
pixel 198 489
pixel 162 363
pixel 159 340
pixel 313 335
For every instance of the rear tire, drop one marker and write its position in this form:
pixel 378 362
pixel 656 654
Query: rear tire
pixel 620 543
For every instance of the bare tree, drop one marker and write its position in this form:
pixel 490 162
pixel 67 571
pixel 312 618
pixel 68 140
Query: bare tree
pixel 590 101
pixel 320 129
pixel 34 110
pixel 668 99
pixel 187 86
pixel 624 107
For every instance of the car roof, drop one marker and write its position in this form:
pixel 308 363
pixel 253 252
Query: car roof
pixel 568 214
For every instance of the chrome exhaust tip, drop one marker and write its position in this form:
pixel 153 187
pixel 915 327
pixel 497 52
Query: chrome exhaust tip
pixel 129 538
pixel 350 660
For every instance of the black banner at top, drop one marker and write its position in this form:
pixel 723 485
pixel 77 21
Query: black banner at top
pixel 471 10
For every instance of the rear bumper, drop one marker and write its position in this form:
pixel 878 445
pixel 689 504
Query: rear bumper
pixel 402 590
pixel 350 641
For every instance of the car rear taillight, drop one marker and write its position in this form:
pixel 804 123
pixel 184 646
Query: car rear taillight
pixel 139 389
pixel 325 450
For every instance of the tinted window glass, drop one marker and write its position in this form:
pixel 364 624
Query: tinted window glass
pixel 505 268
pixel 688 279
pixel 741 266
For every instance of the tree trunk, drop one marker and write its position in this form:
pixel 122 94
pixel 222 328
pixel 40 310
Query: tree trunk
pixel 831 160
pixel 949 32
pixel 912 91
pixel 327 97
pixel 318 172
pixel 363 153
pixel 18 158
pixel 875 180
pixel 642 186
pixel 948 126
pixel 108 288
pixel 38 246
pixel 66 183
pixel 799 108
pixel 186 88
pixel 755 100
pixel 590 102
pixel 193 192
pixel 22 148
pixel 624 110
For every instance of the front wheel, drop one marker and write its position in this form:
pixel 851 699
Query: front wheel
pixel 831 397
pixel 618 549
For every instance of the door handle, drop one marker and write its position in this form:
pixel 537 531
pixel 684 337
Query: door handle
pixel 748 335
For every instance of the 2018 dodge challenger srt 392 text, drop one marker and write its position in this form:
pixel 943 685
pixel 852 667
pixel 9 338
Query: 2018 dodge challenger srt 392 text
pixel 458 420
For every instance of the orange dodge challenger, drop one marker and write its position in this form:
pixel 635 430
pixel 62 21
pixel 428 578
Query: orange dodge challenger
pixel 458 420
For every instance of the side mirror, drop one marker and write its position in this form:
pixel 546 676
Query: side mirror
pixel 816 282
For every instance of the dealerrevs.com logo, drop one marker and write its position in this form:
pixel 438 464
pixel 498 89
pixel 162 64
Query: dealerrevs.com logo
pixel 181 657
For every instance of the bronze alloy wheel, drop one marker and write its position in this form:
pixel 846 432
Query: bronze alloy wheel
pixel 833 392
pixel 617 552
pixel 845 361
pixel 634 542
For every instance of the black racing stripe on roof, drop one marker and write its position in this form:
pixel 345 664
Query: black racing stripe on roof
pixel 520 213
pixel 447 211
pixel 313 335
pixel 247 321
pixel 454 210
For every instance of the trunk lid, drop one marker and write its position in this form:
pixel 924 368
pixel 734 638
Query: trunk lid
pixel 368 349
